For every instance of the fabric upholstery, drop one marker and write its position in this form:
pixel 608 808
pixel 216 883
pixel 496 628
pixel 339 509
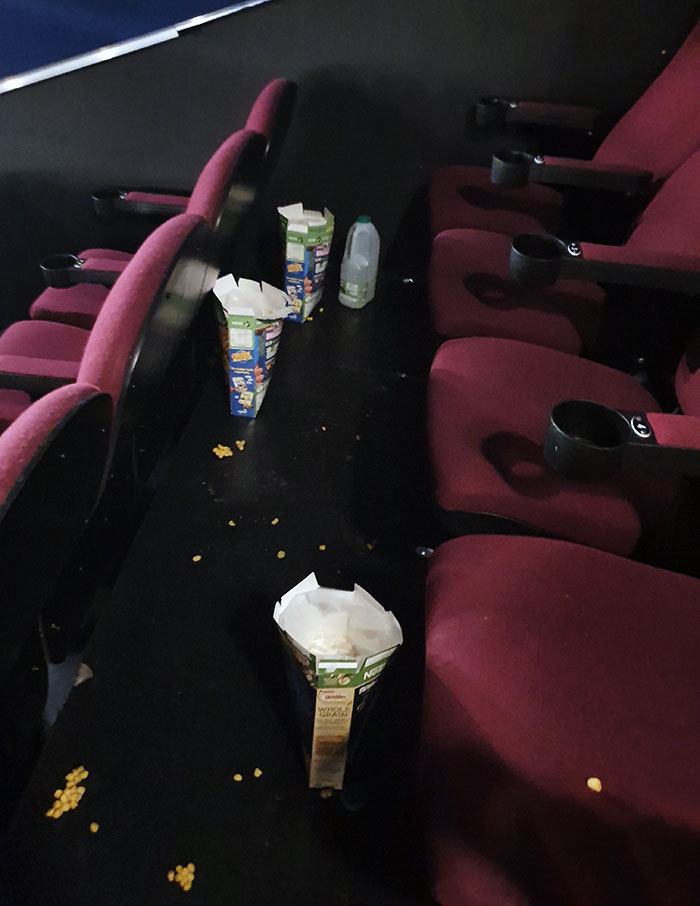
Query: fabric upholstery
pixel 676 430
pixel 42 348
pixel 177 201
pixel 20 442
pixel 663 127
pixel 12 404
pixel 105 264
pixel 212 187
pixel 466 197
pixel 463 877
pixel 489 402
pixel 111 342
pixel 657 134
pixel 78 305
pixel 567 663
pixel 470 295
pixel 262 114
pixel 687 382
pixel 105 253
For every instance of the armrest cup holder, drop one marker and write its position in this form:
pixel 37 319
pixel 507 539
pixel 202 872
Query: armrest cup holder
pixel 585 440
pixel 490 112
pixel 511 168
pixel 535 260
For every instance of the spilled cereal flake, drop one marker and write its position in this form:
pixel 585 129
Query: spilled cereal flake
pixel 222 450
pixel 94 827
pixel 326 792
pixel 196 558
pixel 594 784
pixel 238 777
pixel 231 522
pixel 275 520
pixel 322 547
pixel 257 773
pixel 281 555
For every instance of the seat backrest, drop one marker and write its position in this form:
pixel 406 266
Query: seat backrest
pixel 687 383
pixel 144 321
pixel 271 115
pixel 662 128
pixel 671 221
pixel 52 460
pixel 227 187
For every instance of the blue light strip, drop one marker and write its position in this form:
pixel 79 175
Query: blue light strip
pixel 11 83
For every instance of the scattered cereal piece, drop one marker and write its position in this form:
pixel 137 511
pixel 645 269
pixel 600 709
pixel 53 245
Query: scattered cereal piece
pixel 593 783
pixel 49 814
pixel 196 558
pixel 240 444
pixel 94 827
pixel 326 792
pixel 257 773
pixel 322 547
pixel 231 522
pixel 238 777
pixel 320 309
pixel 275 520
pixel 171 875
pixel 370 546
pixel 358 437
pixel 323 427
pixel 310 318
pixel 281 555
pixel 222 450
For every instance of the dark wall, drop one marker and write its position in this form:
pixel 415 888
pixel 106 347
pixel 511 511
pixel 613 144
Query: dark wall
pixel 383 89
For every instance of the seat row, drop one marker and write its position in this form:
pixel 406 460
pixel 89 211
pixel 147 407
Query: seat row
pixel 561 675
pixel 87 412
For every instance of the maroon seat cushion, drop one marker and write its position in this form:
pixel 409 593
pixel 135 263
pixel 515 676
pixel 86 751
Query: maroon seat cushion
pixel 42 349
pixel 213 184
pixel 462 877
pixel 178 202
pixel 567 663
pixel 78 305
pixel 471 295
pixel 465 197
pixel 12 404
pixel 263 113
pixel 488 408
pixel 105 253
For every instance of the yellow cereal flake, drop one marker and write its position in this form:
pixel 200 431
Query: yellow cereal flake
pixel 370 546
pixel 257 773
pixel 222 450
pixel 231 522
pixel 310 318
pixel 196 558
pixel 322 547
pixel 183 875
pixel 593 783
pixel 281 555
pixel 240 444
pixel 94 827
pixel 238 777
pixel 323 427
pixel 320 309
pixel 68 798
pixel 275 520
pixel 326 792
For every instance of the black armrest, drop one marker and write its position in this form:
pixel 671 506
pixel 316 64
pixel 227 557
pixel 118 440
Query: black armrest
pixel 541 260
pixel 142 202
pixel 493 111
pixel 587 440
pixel 517 168
pixel 63 271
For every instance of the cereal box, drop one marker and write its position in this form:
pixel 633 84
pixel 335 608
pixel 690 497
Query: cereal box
pixel 307 240
pixel 252 315
pixel 339 643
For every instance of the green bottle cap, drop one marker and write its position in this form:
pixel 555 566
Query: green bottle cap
pixel 363 218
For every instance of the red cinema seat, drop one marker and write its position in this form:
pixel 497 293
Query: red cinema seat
pixel 471 295
pixel 656 135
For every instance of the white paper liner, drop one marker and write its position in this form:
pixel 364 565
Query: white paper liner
pixel 330 623
pixel 248 297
